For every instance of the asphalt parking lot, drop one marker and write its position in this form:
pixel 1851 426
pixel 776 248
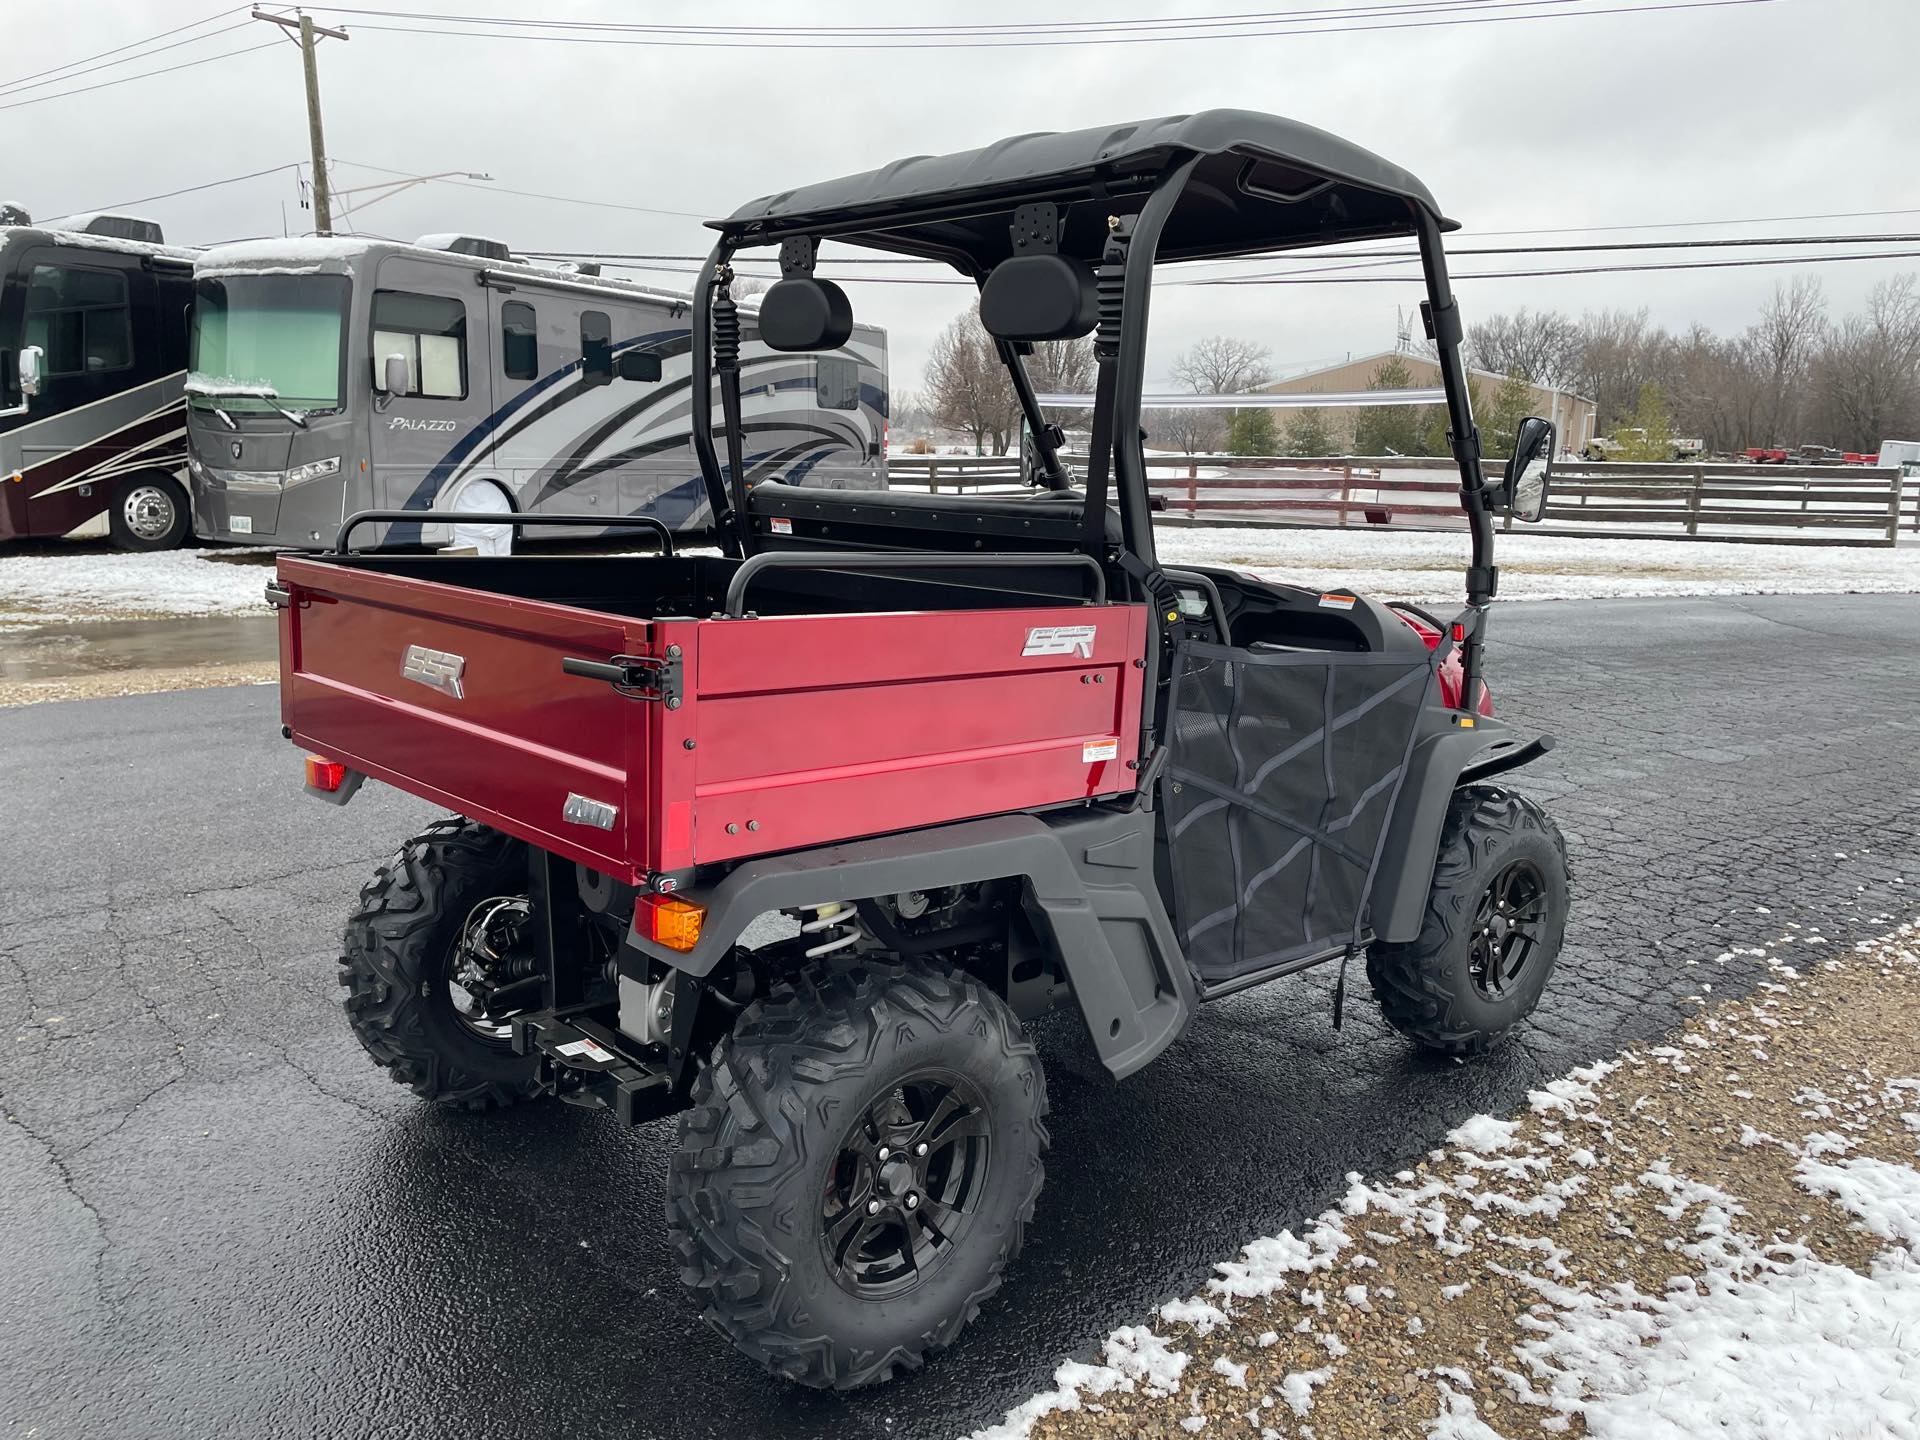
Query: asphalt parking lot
pixel 219 1219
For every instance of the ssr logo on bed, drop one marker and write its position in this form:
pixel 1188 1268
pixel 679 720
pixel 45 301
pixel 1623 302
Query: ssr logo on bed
pixel 1061 640
pixel 440 669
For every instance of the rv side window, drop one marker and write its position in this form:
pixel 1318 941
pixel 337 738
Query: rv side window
pixel 79 319
pixel 596 348
pixel 836 383
pixel 431 331
pixel 519 341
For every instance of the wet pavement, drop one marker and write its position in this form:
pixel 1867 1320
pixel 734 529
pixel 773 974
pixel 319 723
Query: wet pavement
pixel 63 650
pixel 219 1219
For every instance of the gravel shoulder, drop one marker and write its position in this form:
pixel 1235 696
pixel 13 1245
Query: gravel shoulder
pixel 1718 1235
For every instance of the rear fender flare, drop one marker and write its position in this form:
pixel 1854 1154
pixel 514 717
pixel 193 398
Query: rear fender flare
pixel 1090 888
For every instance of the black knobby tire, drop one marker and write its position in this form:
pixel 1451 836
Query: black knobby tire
pixel 150 512
pixel 398 960
pixel 759 1152
pixel 1435 988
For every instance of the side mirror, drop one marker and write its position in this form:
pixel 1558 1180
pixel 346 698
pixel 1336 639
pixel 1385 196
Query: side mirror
pixel 393 378
pixel 32 361
pixel 637 365
pixel 1524 493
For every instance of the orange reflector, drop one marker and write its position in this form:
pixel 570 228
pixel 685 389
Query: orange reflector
pixel 327 775
pixel 670 921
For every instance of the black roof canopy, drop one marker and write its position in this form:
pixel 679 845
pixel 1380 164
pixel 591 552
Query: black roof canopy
pixel 1260 183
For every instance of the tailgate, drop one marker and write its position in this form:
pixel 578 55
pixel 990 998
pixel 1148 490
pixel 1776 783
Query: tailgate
pixel 457 696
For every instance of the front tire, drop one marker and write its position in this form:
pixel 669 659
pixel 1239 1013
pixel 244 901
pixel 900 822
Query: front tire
pixel 1492 930
pixel 402 961
pixel 151 512
pixel 857 1168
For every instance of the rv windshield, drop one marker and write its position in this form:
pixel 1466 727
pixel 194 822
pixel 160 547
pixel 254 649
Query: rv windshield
pixel 284 334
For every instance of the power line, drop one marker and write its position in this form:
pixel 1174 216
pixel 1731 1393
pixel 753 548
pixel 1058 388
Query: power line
pixel 22 88
pixel 188 190
pixel 143 75
pixel 130 45
pixel 1306 279
pixel 963 31
pixel 535 194
pixel 1087 38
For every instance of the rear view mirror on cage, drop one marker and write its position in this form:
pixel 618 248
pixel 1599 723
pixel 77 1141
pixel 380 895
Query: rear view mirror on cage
pixel 1524 493
pixel 638 365
pixel 393 377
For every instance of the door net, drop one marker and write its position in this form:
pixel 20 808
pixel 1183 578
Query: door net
pixel 1283 771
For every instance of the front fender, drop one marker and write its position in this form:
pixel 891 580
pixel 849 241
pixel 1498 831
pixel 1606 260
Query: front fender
pixel 1439 765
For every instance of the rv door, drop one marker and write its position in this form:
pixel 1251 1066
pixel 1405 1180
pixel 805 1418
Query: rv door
pixel 429 439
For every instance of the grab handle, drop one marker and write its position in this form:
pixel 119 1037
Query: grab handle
pixel 518 522
pixel 904 560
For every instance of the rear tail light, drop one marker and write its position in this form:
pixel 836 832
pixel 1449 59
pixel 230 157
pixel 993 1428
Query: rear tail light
pixel 327 775
pixel 670 921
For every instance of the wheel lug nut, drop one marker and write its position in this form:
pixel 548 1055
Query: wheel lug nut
pixel 873 1207
pixel 913 1202
pixel 921 1148
pixel 885 1153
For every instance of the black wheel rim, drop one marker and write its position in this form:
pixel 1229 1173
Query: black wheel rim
pixel 904 1186
pixel 1509 928
pixel 476 969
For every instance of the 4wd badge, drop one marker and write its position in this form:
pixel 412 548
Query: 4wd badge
pixel 440 669
pixel 1061 640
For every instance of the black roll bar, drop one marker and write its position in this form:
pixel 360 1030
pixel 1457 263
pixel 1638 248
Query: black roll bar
pixel 727 526
pixel 901 560
pixel 516 521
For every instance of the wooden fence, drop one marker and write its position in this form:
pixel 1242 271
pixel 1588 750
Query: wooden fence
pixel 1768 504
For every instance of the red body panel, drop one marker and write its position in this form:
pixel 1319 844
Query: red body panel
pixel 791 731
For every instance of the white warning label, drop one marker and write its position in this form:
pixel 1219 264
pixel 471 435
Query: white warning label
pixel 1093 750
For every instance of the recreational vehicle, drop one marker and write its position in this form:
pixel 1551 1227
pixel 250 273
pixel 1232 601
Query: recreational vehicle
pixel 93 349
pixel 332 376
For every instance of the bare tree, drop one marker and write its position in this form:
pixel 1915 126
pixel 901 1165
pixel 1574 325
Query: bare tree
pixel 1543 346
pixel 1867 376
pixel 1222 365
pixel 1191 431
pixel 967 387
pixel 1781 348
pixel 1064 367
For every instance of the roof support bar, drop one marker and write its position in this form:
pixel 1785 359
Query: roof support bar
pixel 728 527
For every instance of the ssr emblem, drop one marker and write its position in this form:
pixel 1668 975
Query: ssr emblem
pixel 234 449
pixel 1061 640
pixel 439 669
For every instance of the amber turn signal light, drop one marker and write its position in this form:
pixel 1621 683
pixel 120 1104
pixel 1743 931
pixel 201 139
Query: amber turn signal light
pixel 670 921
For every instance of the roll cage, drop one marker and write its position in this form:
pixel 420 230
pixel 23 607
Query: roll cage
pixel 1215 184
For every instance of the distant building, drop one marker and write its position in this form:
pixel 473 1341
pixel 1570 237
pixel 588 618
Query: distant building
pixel 1573 415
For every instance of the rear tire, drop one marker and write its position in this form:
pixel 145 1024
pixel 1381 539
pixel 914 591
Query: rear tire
pixel 400 955
pixel 860 1110
pixel 151 512
pixel 1475 970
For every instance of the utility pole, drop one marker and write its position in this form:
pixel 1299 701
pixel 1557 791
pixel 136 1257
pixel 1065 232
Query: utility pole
pixel 308 31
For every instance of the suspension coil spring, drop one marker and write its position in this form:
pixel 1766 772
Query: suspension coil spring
pixel 835 923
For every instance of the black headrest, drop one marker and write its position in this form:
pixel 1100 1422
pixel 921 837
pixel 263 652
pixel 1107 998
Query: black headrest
pixel 1039 297
pixel 802 313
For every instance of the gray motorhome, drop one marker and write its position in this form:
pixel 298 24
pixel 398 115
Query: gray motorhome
pixel 93 349
pixel 331 376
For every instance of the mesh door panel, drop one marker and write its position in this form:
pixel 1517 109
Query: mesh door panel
pixel 1283 772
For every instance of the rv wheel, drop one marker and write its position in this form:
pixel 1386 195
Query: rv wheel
pixel 857 1167
pixel 151 513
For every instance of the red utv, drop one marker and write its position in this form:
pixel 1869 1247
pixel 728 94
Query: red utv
pixel 790 841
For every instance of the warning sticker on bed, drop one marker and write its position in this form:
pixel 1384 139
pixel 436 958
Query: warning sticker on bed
pixel 780 526
pixel 586 1048
pixel 1092 750
pixel 1336 602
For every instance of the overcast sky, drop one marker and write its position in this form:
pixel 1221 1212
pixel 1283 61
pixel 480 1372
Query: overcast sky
pixel 1780 108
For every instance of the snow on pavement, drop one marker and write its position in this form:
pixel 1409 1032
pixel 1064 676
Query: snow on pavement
pixel 1637 1255
pixel 1425 567
pixel 94 584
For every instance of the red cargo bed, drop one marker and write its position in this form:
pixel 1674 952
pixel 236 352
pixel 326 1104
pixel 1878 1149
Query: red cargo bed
pixel 741 737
